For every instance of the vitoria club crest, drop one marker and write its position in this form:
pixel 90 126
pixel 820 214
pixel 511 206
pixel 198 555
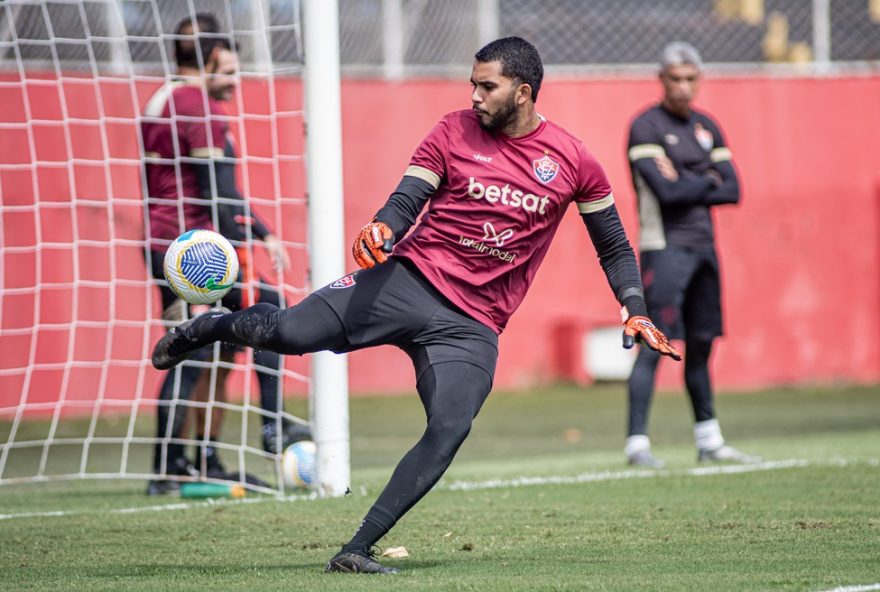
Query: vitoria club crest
pixel 545 169
pixel 346 281
pixel 704 137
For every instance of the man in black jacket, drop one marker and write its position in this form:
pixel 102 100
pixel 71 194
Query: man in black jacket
pixel 681 168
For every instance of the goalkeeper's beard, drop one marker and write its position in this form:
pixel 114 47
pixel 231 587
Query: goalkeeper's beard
pixel 505 116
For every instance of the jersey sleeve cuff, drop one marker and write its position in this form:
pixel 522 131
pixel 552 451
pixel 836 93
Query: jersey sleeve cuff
pixel 641 151
pixel 597 205
pixel 206 152
pixel 427 175
pixel 720 154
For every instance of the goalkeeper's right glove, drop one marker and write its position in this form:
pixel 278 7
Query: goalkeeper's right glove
pixel 372 245
pixel 640 328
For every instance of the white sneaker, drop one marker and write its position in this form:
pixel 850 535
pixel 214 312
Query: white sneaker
pixel 727 454
pixel 644 458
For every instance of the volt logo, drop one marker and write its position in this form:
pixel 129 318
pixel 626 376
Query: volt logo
pixel 490 234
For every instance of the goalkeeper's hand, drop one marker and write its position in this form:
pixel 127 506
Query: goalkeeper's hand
pixel 642 329
pixel 373 244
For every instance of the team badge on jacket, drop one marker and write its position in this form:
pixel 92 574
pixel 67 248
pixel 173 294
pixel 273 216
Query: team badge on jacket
pixel 704 137
pixel 346 281
pixel 545 169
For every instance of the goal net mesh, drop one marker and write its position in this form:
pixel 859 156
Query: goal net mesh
pixel 79 312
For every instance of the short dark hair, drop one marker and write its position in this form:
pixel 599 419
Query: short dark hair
pixel 519 61
pixel 208 37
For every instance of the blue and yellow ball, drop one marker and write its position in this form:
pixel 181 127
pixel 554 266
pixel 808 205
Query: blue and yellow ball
pixel 298 465
pixel 201 266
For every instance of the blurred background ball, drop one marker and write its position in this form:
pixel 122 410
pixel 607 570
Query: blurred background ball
pixel 201 266
pixel 298 464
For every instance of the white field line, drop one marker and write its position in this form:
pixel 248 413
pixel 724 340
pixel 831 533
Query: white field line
pixel 864 588
pixel 482 485
pixel 620 475
pixel 161 508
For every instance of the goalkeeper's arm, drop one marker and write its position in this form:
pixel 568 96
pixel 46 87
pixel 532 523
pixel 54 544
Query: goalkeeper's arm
pixel 376 240
pixel 616 258
pixel 619 262
pixel 404 205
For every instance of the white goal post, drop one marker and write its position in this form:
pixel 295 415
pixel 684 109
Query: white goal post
pixel 329 397
pixel 79 312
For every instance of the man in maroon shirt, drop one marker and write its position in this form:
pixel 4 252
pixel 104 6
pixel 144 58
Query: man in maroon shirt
pixel 189 167
pixel 496 180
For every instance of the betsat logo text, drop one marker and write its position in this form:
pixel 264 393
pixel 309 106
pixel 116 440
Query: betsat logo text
pixel 507 196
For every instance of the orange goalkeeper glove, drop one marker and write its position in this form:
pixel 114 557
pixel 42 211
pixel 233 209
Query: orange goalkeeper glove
pixel 372 245
pixel 642 329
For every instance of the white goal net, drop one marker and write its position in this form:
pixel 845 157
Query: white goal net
pixel 79 310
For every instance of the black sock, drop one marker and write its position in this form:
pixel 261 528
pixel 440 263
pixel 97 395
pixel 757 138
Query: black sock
pixel 697 380
pixel 641 390
pixel 208 451
pixel 452 393
pixel 374 526
pixel 175 452
pixel 171 412
pixel 269 399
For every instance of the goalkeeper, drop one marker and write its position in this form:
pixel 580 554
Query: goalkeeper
pixel 496 180
pixel 178 132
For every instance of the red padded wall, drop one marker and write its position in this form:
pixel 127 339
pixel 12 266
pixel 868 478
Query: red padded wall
pixel 800 255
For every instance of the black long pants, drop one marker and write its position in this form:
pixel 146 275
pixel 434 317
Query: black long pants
pixel 454 357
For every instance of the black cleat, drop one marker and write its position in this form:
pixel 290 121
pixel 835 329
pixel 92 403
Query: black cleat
pixel 162 487
pixel 214 469
pixel 182 341
pixel 357 562
pixel 180 467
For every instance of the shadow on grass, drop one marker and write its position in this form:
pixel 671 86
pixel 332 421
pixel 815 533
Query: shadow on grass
pixel 213 571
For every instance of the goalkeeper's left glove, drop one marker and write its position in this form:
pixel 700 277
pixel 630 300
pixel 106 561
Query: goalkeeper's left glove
pixel 642 329
pixel 372 245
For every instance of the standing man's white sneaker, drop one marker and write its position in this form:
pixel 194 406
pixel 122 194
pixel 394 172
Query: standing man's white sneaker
pixel 638 453
pixel 727 454
pixel 645 460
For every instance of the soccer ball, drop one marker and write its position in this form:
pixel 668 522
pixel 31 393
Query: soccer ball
pixel 298 464
pixel 201 266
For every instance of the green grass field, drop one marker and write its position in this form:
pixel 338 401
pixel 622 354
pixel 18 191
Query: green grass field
pixel 539 498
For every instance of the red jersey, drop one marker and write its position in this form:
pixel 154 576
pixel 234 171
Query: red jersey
pixel 498 203
pixel 174 125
